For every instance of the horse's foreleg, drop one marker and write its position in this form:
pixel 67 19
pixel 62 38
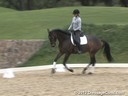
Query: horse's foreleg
pixel 54 63
pixel 92 62
pixel 83 72
pixel 64 62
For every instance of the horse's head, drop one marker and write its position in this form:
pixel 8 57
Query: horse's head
pixel 52 37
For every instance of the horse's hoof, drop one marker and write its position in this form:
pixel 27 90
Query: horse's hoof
pixel 90 73
pixel 53 71
pixel 83 72
pixel 71 70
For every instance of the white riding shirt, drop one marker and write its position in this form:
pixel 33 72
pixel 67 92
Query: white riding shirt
pixel 76 24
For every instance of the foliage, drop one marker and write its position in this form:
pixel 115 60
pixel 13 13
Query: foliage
pixel 39 4
pixel 36 4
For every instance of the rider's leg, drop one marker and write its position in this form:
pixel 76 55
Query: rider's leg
pixel 77 40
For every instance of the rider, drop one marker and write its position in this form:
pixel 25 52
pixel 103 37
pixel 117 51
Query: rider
pixel 75 27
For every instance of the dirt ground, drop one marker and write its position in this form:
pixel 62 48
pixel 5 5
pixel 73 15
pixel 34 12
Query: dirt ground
pixel 105 82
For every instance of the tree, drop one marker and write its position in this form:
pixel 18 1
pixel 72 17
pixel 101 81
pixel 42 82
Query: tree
pixel 88 2
pixel 108 2
pixel 40 4
pixel 124 3
pixel 94 2
pixel 15 4
pixel 21 5
pixel 29 4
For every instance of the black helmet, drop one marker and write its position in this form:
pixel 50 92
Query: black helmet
pixel 76 11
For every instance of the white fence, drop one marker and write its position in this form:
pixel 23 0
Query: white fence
pixel 44 67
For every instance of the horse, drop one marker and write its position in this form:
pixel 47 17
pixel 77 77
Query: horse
pixel 67 48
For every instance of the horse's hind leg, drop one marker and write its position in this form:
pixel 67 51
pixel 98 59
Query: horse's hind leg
pixel 54 63
pixel 93 61
pixel 65 60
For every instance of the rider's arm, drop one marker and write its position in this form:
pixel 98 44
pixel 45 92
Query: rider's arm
pixel 71 26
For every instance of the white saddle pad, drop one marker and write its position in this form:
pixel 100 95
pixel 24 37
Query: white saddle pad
pixel 83 40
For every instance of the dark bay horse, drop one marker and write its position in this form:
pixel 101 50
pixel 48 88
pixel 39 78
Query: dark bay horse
pixel 67 48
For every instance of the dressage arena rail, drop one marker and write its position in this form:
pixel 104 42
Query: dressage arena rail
pixel 44 67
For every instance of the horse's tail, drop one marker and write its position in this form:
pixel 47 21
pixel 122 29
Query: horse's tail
pixel 107 51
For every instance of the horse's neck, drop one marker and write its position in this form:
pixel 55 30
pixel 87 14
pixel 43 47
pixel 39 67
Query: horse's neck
pixel 62 37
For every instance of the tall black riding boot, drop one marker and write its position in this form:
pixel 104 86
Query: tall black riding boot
pixel 79 48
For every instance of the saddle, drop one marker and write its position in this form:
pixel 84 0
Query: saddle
pixel 83 39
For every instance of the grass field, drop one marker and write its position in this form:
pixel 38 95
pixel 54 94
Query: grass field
pixel 110 23
pixel 33 24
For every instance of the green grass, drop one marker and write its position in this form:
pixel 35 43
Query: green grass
pixel 33 24
pixel 109 23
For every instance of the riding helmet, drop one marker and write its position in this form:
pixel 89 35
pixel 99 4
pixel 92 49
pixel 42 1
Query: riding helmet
pixel 76 11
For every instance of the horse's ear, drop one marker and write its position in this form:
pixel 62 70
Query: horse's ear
pixel 48 30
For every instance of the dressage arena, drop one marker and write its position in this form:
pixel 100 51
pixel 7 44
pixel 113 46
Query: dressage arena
pixel 108 80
